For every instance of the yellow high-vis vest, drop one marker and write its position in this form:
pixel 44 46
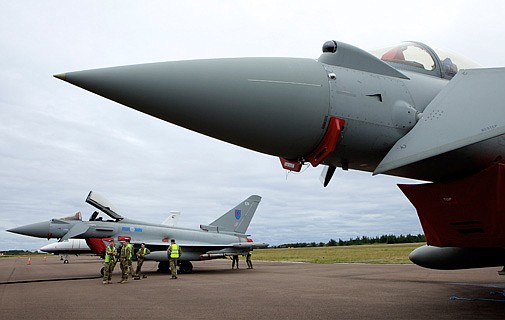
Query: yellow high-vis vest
pixel 174 251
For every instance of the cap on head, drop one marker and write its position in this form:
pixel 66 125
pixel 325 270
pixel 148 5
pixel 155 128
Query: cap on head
pixel 173 240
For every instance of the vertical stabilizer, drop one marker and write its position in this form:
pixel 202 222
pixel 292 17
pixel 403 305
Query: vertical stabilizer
pixel 238 219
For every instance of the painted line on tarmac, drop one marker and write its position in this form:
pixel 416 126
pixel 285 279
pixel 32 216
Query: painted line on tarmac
pixel 50 280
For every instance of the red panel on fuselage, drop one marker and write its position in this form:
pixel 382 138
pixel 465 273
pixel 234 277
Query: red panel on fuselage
pixel 468 212
pixel 96 245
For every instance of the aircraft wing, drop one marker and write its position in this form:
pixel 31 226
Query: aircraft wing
pixel 232 249
pixel 206 246
pixel 468 110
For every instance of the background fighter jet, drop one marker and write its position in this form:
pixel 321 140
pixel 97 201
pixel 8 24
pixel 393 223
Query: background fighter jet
pixel 79 246
pixel 67 247
pixel 406 110
pixel 223 237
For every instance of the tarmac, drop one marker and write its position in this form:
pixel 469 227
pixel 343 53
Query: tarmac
pixel 49 289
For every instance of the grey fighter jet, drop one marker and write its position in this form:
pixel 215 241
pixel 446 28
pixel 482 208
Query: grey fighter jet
pixel 223 237
pixel 79 246
pixel 408 110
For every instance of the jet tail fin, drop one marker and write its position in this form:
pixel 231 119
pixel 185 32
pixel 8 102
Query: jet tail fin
pixel 236 220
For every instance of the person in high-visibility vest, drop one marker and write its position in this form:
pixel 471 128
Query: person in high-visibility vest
pixel 109 262
pixel 140 260
pixel 248 259
pixel 130 259
pixel 125 260
pixel 174 252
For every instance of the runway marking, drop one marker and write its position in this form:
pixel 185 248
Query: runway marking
pixel 50 280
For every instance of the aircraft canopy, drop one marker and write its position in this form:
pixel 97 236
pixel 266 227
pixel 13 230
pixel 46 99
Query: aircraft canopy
pixel 103 204
pixel 418 57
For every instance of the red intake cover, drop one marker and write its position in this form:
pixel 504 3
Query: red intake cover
pixel 96 245
pixel 468 212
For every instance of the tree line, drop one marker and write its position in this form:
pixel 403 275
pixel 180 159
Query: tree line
pixel 387 239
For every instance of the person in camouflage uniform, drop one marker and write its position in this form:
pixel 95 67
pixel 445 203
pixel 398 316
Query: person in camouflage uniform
pixel 109 262
pixel 173 252
pixel 130 262
pixel 125 260
pixel 140 260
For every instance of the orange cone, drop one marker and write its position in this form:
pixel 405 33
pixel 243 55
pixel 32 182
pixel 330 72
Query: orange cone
pixel 29 262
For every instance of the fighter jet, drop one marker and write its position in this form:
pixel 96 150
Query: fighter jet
pixel 407 110
pixel 223 237
pixel 79 246
pixel 66 248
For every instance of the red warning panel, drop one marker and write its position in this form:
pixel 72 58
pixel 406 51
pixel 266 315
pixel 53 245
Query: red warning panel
pixel 468 212
pixel 327 145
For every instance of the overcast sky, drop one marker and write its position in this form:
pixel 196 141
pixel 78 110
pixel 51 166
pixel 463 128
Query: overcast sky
pixel 58 142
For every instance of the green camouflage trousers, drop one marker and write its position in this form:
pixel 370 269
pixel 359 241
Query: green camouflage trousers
pixel 173 267
pixel 125 268
pixel 140 262
pixel 107 270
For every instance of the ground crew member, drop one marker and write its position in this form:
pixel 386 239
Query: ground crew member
pixel 125 260
pixel 109 262
pixel 234 260
pixel 248 259
pixel 140 260
pixel 130 262
pixel 174 252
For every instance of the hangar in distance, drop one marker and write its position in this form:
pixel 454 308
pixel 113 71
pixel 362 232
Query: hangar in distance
pixel 407 110
pixel 223 237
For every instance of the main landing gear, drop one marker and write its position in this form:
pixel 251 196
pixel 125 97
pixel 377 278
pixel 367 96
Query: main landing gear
pixel 185 267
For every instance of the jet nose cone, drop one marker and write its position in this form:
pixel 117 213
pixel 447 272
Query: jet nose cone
pixel 277 106
pixel 61 76
pixel 40 230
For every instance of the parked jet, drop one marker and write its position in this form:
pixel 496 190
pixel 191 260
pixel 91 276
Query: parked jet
pixel 223 237
pixel 407 110
pixel 67 247
pixel 79 246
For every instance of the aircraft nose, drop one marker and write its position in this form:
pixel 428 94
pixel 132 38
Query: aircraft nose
pixel 277 106
pixel 40 230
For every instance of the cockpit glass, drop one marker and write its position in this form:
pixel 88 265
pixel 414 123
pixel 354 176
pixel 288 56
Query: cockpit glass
pixel 409 54
pixel 76 216
pixel 451 62
pixel 417 56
